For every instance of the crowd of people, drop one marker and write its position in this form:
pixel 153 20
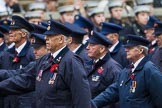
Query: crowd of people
pixel 81 60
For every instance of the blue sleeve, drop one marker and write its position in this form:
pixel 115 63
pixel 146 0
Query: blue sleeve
pixel 79 86
pixel 110 95
pixel 21 83
pixel 4 74
pixel 153 78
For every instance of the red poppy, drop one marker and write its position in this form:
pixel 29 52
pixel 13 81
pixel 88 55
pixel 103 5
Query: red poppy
pixel 132 77
pixel 54 67
pixel 100 70
pixel 16 59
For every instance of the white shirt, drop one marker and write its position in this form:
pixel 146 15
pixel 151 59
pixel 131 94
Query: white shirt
pixel 76 49
pixel 99 58
pixel 21 47
pixel 11 45
pixel 136 63
pixel 113 46
pixel 57 52
pixel 1 43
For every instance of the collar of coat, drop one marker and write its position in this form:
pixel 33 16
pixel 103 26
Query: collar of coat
pixel 3 46
pixel 61 54
pixel 141 64
pixel 82 47
pixel 117 48
pixel 98 64
pixel 23 51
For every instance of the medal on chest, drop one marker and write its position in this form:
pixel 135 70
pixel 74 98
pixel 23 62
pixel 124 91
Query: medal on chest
pixel 133 83
pixel 39 77
pixel 53 73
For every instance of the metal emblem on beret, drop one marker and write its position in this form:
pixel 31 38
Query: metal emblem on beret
pixel 77 17
pixel 91 32
pixel 49 25
pixel 12 22
pixel 4 22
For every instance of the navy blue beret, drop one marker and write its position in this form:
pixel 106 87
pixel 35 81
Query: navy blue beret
pixel 135 40
pixel 4 29
pixel 1 35
pixel 152 22
pixel 39 39
pixel 39 28
pixel 110 28
pixel 158 29
pixel 44 23
pixel 76 31
pixel 83 22
pixel 98 38
pixel 19 23
pixel 56 28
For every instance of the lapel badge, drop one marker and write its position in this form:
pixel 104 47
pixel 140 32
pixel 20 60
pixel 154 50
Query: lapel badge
pixel 121 84
pixel 59 59
pixel 95 78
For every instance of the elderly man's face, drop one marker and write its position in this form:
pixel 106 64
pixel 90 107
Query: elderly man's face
pixel 159 40
pixel 133 53
pixel 94 50
pixel 53 43
pixel 16 35
pixel 40 51
pixel 149 34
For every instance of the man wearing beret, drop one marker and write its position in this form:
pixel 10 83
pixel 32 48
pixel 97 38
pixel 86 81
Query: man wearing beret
pixel 117 51
pixel 17 57
pixel 139 85
pixel 4 28
pixel 58 78
pixel 86 24
pixel 75 41
pixel 102 70
pixel 149 29
pixel 156 56
pixel 39 45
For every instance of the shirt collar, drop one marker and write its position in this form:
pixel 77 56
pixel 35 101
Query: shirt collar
pixel 76 49
pixel 99 58
pixel 1 43
pixel 136 63
pixel 57 52
pixel 21 47
pixel 113 46
pixel 11 45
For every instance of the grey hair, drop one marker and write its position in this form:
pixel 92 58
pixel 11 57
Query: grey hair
pixel 65 38
pixel 26 31
pixel 145 49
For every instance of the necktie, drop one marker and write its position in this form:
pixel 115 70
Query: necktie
pixel 51 58
pixel 131 67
